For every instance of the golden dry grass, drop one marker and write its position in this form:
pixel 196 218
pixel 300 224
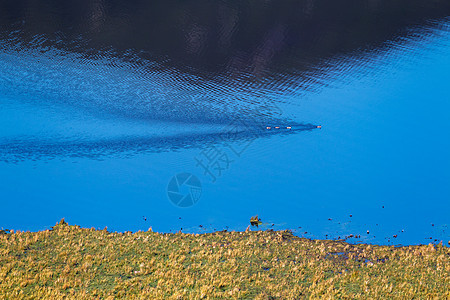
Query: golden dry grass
pixel 75 263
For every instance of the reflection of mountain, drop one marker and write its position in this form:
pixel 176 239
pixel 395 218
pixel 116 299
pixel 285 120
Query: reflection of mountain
pixel 216 36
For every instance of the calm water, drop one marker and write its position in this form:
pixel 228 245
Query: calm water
pixel 102 103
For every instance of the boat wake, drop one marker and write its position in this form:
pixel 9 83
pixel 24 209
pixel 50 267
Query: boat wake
pixel 55 103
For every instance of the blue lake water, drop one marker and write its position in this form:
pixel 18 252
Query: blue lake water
pixel 95 122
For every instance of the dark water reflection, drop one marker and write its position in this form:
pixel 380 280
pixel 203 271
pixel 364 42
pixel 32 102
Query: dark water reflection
pixel 245 39
pixel 101 102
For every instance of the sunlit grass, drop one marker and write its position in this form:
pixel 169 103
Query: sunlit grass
pixel 73 262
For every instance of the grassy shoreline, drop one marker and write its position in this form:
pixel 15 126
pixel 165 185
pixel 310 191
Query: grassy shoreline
pixel 69 261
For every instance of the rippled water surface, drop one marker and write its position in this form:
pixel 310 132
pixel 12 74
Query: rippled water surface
pixel 329 118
